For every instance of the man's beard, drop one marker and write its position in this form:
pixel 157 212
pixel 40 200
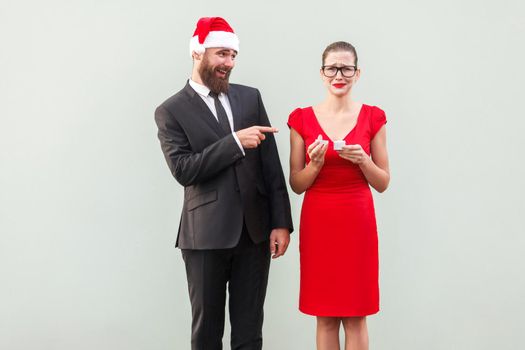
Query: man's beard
pixel 209 78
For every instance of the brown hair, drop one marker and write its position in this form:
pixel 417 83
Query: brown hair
pixel 339 46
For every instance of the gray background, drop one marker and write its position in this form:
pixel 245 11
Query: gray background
pixel 89 210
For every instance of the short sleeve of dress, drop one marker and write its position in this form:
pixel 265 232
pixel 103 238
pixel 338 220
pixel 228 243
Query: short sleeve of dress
pixel 377 120
pixel 295 121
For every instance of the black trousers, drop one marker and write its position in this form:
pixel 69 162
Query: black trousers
pixel 244 269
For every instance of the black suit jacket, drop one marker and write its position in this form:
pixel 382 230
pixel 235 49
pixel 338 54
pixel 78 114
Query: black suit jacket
pixel 222 187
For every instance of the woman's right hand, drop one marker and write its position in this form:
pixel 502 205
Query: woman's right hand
pixel 316 152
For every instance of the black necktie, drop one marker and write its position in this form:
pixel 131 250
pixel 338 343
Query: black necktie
pixel 221 114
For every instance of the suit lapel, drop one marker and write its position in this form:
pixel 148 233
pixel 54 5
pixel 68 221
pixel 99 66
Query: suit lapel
pixel 203 111
pixel 235 104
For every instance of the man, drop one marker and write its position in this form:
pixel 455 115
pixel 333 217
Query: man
pixel 219 145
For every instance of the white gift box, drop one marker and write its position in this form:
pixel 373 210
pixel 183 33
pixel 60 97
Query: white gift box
pixel 339 144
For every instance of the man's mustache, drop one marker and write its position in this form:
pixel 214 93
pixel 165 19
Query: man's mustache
pixel 224 68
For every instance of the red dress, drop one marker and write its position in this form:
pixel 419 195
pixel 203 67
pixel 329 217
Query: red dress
pixel 338 233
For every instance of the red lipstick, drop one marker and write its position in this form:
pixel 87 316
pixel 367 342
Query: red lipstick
pixel 339 86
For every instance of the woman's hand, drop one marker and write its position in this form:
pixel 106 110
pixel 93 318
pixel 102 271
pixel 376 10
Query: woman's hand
pixel 303 175
pixel 316 152
pixel 354 153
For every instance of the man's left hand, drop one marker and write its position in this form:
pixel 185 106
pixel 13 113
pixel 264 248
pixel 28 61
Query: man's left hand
pixel 279 240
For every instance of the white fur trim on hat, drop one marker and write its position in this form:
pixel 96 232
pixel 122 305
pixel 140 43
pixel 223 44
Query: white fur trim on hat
pixel 215 39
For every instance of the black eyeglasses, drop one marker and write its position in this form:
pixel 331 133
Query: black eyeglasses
pixel 346 71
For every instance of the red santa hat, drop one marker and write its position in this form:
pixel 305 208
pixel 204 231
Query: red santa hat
pixel 213 32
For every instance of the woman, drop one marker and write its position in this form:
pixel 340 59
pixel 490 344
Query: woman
pixel 338 234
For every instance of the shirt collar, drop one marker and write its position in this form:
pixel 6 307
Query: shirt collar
pixel 202 90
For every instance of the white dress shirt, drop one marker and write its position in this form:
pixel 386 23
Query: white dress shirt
pixel 204 93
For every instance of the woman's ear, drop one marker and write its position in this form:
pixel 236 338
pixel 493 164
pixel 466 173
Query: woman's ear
pixel 357 74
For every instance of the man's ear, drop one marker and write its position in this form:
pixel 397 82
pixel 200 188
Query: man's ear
pixel 196 56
